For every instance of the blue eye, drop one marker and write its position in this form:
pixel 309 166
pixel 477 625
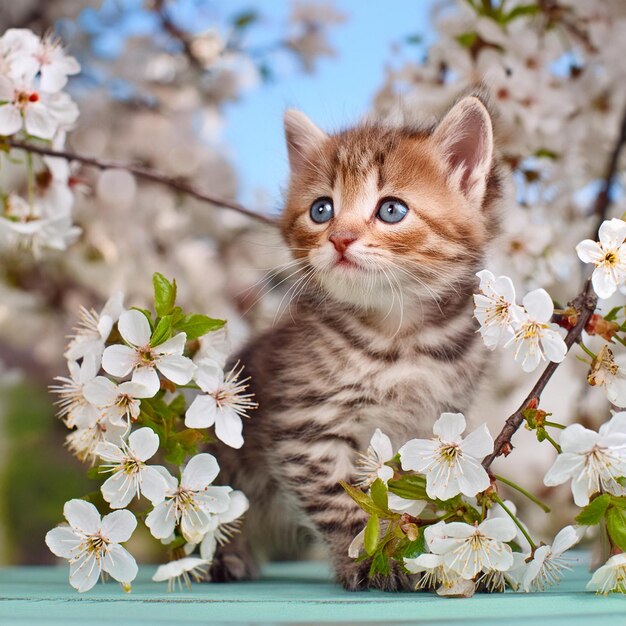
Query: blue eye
pixel 392 211
pixel 322 210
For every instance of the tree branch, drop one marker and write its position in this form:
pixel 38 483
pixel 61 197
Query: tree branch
pixel 141 172
pixel 584 304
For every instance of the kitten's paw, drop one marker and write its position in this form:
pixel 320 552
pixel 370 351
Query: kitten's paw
pixel 232 567
pixel 354 577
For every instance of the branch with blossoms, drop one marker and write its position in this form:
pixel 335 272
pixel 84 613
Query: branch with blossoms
pixel 131 375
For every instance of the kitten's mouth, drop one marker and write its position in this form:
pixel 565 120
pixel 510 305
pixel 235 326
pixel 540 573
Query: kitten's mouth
pixel 347 263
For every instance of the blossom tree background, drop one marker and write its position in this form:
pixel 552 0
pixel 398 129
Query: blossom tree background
pixel 554 72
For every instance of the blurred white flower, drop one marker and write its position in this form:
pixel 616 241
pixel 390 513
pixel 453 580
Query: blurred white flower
pixel 611 577
pixel 182 570
pixel 92 544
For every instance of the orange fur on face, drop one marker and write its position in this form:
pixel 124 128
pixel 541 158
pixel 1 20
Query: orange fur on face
pixel 446 229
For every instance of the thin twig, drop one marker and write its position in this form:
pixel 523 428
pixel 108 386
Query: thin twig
pixel 141 172
pixel 584 304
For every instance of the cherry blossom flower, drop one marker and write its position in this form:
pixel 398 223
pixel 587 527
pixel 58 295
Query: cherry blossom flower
pixel 610 372
pixel 182 570
pixel 121 403
pixel 608 255
pixel 224 404
pixel 452 465
pixel 92 544
pixel 224 525
pixel 611 577
pixel 54 65
pixel 143 359
pixel 17 54
pixel 192 503
pixel 547 565
pixel 92 429
pixel 593 460
pixel 130 474
pixel 371 465
pixel 495 309
pixel 40 114
pixel 536 338
pixel 74 407
pixel 469 549
pixel 435 575
pixel 94 329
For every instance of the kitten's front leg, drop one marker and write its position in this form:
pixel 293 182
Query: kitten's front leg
pixel 312 472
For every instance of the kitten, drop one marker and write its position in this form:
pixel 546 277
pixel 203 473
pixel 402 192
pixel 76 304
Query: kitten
pixel 389 226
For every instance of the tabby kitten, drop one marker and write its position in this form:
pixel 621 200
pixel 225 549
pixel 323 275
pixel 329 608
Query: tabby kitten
pixel 389 226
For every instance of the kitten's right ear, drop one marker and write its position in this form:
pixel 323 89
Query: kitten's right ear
pixel 303 138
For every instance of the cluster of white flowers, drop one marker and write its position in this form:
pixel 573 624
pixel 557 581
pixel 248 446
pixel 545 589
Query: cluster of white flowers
pixel 103 409
pixel 33 105
pixel 527 327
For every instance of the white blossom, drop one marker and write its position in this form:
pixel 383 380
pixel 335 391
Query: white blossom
pixel 130 475
pixel 495 309
pixel 193 502
pixel 182 570
pixel 94 329
pixel 120 404
pixel 142 359
pixel 371 465
pixel 93 428
pixel 92 545
pixel 536 338
pixel 611 577
pixel 608 255
pixel 592 460
pixel 224 404
pixel 74 407
pixel 469 549
pixel 452 464
pixel 547 564
pixel 610 372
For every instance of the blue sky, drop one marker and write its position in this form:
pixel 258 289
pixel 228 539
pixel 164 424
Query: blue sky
pixel 336 95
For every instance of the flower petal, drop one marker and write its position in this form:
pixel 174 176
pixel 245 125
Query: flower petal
pixel 174 345
pixel 479 443
pixel 118 360
pixel 603 282
pixel 152 484
pixel 100 391
pixel 567 538
pixel 120 564
pixel 612 233
pixel 63 541
pixel 147 378
pixel 473 478
pixel 381 444
pixel 229 427
pixel 119 489
pixel 84 572
pixel 500 528
pixel 538 304
pixel 143 443
pixel 134 328
pixel 82 516
pixel 201 413
pixel 200 472
pixel 179 369
pixel 162 520
pixel 589 251
pixel 565 466
pixel 449 427
pixel 10 120
pixel 417 454
pixel 238 505
pixel 119 526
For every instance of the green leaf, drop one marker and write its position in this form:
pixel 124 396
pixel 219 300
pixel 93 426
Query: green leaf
pixel 616 526
pixel 413 549
pixel 380 565
pixel 378 492
pixel 593 513
pixel 467 40
pixel 178 405
pixel 195 325
pixel 545 153
pixel 521 11
pixel 410 487
pixel 611 316
pixel 372 532
pixel 162 332
pixel 363 500
pixel 164 294
pixel 176 454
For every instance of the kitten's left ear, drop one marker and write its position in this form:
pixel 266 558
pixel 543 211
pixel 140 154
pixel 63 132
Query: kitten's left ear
pixel 465 140
pixel 303 138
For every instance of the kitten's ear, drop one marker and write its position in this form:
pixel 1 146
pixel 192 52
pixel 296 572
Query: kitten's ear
pixel 303 138
pixel 465 139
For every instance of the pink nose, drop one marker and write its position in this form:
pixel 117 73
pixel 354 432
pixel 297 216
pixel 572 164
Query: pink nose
pixel 341 241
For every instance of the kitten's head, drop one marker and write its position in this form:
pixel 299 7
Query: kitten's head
pixel 377 212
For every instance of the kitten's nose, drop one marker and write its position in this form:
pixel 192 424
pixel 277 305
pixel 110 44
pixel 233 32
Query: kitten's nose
pixel 341 241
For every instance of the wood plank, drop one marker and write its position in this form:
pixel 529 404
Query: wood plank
pixel 288 593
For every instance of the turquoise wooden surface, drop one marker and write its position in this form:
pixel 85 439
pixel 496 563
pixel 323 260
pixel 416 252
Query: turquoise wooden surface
pixel 289 593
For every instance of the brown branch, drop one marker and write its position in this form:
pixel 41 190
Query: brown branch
pixel 141 172
pixel 584 304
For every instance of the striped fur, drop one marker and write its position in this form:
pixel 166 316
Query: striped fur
pixel 390 343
